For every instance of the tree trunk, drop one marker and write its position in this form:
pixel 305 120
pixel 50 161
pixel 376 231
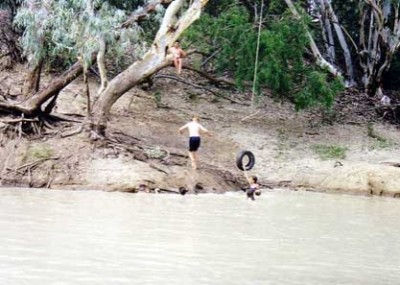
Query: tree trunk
pixel 326 28
pixel 320 60
pixel 382 41
pixel 102 66
pixel 32 106
pixel 343 44
pixel 155 59
pixel 32 80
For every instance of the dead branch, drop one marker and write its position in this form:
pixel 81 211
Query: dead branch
pixel 210 57
pixel 197 86
pixel 158 168
pixel 214 80
pixel 72 132
pixel 250 116
pixel 66 118
pixel 139 15
pixel 16 121
pixel 35 163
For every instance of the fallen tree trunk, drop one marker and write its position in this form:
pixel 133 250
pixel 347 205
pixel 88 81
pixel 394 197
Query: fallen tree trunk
pixel 32 106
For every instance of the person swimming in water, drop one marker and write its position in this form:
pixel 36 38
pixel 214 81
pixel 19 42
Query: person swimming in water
pixel 254 186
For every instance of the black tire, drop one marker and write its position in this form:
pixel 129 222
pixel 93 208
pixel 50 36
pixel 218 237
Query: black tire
pixel 251 160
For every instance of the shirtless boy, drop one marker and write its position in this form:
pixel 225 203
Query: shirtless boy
pixel 194 129
pixel 177 53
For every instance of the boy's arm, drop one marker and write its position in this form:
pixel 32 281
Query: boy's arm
pixel 182 128
pixel 247 176
pixel 203 129
pixel 183 54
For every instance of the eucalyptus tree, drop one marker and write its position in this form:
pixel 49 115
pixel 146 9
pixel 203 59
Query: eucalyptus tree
pixel 329 20
pixel 177 18
pixel 69 30
pixel 268 51
pixel 379 39
pixel 10 50
pixel 365 31
pixel 77 30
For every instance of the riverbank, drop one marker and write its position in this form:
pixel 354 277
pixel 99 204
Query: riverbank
pixel 354 153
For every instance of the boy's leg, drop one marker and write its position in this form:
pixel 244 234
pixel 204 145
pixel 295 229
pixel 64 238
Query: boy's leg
pixel 195 159
pixel 176 63
pixel 179 65
pixel 192 159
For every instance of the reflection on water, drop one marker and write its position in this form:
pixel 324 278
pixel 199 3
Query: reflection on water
pixel 90 237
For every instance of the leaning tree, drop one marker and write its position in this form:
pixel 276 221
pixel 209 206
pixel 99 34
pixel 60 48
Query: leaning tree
pixel 87 40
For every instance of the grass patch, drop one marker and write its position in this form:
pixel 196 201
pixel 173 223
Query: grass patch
pixel 326 152
pixel 35 152
pixel 157 98
pixel 156 153
pixel 380 141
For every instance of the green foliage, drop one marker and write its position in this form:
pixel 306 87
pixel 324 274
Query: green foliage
pixel 231 34
pixel 326 152
pixel 70 29
pixel 156 152
pixel 318 91
pixel 281 65
pixel 37 151
pixel 380 141
pixel 157 98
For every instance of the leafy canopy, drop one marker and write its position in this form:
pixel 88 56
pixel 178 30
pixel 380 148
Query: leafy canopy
pixel 281 65
pixel 69 29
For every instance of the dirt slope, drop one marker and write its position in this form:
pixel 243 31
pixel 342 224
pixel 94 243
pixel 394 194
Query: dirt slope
pixel 292 149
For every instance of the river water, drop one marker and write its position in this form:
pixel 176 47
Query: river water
pixel 92 237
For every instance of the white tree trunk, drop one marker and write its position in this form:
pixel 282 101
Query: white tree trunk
pixel 343 44
pixel 172 26
pixel 382 41
pixel 326 29
pixel 102 66
pixel 320 60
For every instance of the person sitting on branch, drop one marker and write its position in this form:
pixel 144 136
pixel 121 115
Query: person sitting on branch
pixel 178 55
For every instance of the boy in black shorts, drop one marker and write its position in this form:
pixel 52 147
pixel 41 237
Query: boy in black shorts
pixel 194 129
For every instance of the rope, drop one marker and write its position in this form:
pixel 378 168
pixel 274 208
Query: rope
pixel 257 53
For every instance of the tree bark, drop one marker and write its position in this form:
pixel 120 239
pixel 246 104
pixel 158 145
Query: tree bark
pixel 381 42
pixel 32 106
pixel 102 66
pixel 155 59
pixel 32 80
pixel 343 44
pixel 320 60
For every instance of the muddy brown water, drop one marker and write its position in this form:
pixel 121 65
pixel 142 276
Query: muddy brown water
pixel 92 237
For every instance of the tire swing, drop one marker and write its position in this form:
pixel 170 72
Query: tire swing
pixel 245 160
